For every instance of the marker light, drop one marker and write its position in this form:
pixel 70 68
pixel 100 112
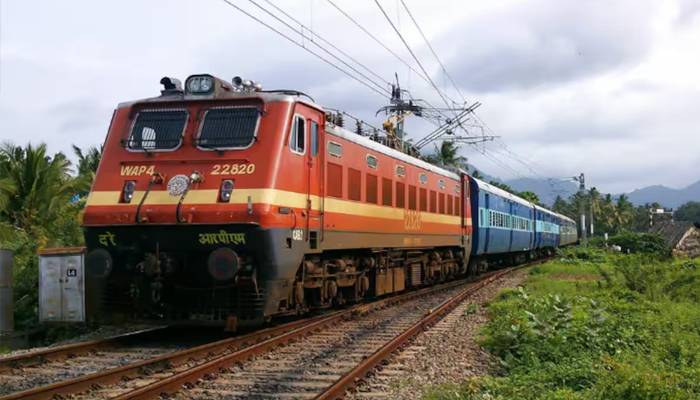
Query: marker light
pixel 200 84
pixel 226 190
pixel 128 191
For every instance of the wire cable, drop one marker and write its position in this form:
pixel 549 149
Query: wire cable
pixel 270 27
pixel 369 70
pixel 385 47
pixel 415 58
pixel 427 42
pixel 268 12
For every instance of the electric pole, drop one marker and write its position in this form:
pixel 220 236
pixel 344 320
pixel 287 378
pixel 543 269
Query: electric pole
pixel 582 206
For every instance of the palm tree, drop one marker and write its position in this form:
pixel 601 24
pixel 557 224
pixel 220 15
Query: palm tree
pixel 34 186
pixel 447 155
pixel 532 197
pixel 87 167
pixel 625 212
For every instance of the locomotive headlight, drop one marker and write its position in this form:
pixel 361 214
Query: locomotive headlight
pixel 200 84
pixel 128 191
pixel 223 264
pixel 226 190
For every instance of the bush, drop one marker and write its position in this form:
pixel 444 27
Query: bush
pixel 646 243
pixel 634 333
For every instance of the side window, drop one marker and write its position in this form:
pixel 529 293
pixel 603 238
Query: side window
pixel 314 138
pixel 296 141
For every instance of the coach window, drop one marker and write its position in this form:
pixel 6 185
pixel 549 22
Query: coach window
pixel 387 186
pixel 400 195
pixel 423 179
pixel 400 171
pixel 314 138
pixel 296 141
pixel 411 197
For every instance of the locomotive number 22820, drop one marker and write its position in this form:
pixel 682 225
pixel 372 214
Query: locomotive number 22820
pixel 233 169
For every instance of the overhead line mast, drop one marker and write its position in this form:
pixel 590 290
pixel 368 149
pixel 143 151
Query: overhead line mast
pixel 420 65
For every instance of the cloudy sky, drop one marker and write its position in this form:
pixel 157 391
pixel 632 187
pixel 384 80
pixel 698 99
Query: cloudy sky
pixel 610 88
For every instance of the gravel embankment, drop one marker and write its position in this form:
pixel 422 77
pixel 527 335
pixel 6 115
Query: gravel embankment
pixel 447 353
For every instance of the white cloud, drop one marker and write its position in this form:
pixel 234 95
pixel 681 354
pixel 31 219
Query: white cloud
pixel 608 88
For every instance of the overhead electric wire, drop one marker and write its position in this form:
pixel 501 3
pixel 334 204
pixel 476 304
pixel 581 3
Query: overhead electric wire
pixel 509 153
pixel 328 43
pixel 268 12
pixel 385 47
pixel 415 58
pixel 270 27
pixel 427 42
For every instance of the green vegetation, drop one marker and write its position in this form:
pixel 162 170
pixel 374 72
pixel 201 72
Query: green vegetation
pixel 40 204
pixel 689 211
pixel 595 325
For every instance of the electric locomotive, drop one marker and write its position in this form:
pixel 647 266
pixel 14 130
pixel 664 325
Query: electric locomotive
pixel 221 202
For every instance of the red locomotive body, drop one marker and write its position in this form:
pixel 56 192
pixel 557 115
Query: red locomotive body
pixel 223 202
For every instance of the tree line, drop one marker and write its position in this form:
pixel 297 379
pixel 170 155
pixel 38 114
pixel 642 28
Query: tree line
pixel 42 196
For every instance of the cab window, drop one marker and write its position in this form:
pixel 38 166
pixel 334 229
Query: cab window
pixel 155 130
pixel 297 140
pixel 314 138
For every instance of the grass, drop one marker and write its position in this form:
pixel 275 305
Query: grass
pixel 594 325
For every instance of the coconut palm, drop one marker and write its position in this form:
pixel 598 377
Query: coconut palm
pixel 34 185
pixel 87 167
pixel 448 155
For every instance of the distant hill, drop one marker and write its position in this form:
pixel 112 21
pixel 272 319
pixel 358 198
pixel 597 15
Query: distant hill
pixel 546 189
pixel 666 196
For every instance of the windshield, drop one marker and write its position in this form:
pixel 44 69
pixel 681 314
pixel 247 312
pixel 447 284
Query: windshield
pixel 157 130
pixel 226 128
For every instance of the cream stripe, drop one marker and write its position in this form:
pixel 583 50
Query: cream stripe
pixel 268 196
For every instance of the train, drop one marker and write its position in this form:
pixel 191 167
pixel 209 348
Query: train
pixel 220 202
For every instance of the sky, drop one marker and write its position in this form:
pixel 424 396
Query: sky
pixel 608 88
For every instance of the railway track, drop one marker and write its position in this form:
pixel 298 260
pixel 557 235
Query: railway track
pixel 322 356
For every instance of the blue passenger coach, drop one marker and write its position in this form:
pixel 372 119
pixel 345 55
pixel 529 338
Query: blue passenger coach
pixel 504 222
pixel 510 229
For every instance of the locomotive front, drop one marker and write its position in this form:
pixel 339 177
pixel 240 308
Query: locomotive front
pixel 179 220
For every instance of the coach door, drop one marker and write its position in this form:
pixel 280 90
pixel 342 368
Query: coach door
pixel 314 172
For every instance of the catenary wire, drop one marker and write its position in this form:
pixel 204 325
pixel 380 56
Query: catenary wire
pixel 270 27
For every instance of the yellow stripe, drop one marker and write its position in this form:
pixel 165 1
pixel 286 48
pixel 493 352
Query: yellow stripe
pixel 275 197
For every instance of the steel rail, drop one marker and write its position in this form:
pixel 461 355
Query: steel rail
pixel 175 383
pixel 112 375
pixel 353 377
pixel 65 351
